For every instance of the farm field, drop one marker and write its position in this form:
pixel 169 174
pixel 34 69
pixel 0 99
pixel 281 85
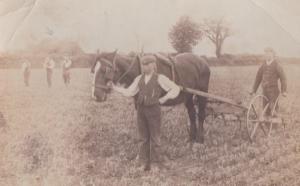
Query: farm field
pixel 60 136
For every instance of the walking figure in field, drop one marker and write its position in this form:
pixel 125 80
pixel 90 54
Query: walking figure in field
pixel 66 67
pixel 49 66
pixel 26 69
pixel 148 87
pixel 268 75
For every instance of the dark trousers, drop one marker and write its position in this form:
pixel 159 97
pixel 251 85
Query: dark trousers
pixel 26 78
pixel 66 77
pixel 49 77
pixel 272 94
pixel 149 123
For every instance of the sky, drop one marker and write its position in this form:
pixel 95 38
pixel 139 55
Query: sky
pixel 133 24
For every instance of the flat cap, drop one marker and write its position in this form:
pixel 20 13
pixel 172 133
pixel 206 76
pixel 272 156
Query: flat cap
pixel 148 59
pixel 269 49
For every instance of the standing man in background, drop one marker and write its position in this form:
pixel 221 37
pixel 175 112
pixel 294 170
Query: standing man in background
pixel 26 69
pixel 49 66
pixel 268 75
pixel 66 67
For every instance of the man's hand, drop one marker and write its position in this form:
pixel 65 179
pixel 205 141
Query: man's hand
pixel 162 100
pixel 110 84
pixel 117 88
pixel 284 94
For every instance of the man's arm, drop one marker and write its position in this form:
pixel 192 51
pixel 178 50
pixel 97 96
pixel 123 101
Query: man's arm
pixel 169 86
pixel 24 66
pixel 68 63
pixel 282 78
pixel 45 64
pixel 52 64
pixel 258 79
pixel 132 90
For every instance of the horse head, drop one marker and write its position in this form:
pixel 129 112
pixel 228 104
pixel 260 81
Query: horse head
pixel 113 68
pixel 104 70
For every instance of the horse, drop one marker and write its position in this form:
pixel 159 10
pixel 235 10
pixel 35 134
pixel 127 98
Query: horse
pixel 191 71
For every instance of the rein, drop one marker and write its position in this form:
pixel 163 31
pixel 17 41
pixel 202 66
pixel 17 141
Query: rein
pixel 101 87
pixel 128 70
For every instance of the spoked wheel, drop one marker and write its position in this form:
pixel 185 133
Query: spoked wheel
pixel 255 116
pixel 274 118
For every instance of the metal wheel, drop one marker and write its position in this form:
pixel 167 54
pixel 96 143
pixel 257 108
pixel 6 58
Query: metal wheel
pixel 275 118
pixel 255 116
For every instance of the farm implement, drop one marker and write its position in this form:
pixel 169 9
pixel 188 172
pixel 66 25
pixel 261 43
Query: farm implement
pixel 253 114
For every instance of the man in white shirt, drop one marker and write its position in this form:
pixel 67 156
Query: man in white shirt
pixel 49 66
pixel 26 68
pixel 66 67
pixel 148 87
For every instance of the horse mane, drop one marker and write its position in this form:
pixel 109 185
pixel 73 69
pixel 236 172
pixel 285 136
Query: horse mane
pixel 129 67
pixel 125 57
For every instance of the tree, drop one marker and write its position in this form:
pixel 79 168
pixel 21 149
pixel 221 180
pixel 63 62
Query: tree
pixel 216 30
pixel 184 35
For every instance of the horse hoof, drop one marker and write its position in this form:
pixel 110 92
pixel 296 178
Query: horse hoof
pixel 200 140
pixel 191 140
pixel 147 167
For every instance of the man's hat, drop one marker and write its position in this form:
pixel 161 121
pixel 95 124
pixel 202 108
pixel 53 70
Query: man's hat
pixel 148 59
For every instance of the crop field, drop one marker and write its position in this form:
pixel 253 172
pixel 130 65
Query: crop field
pixel 60 136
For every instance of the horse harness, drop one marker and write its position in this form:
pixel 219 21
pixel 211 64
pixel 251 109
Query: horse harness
pixel 170 61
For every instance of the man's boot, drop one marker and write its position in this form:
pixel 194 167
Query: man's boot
pixel 147 166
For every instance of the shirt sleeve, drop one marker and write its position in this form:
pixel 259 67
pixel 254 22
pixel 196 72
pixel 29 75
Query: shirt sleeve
pixel 69 63
pixel 282 78
pixel 258 78
pixel 45 64
pixel 52 64
pixel 24 66
pixel 169 86
pixel 132 90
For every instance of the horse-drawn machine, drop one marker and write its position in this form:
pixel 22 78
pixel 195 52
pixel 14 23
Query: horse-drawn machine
pixel 254 114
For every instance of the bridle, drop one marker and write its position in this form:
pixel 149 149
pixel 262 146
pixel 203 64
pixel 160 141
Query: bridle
pixel 114 69
pixel 129 69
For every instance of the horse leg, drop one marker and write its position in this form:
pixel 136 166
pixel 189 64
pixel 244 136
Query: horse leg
pixel 201 102
pixel 192 116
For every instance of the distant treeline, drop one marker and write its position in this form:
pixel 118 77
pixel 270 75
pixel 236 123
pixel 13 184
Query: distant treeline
pixel 244 59
pixel 85 60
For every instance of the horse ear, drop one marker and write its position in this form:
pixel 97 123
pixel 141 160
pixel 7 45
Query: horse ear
pixel 114 60
pixel 138 57
pixel 156 56
pixel 142 50
pixel 171 57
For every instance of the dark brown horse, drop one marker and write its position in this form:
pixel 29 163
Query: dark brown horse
pixel 191 71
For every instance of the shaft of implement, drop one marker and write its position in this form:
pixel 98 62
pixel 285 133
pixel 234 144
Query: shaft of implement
pixel 211 96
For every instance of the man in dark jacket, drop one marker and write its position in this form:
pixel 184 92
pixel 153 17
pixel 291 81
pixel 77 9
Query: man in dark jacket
pixel 26 68
pixel 148 87
pixel 268 75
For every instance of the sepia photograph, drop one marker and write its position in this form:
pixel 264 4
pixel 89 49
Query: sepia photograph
pixel 149 92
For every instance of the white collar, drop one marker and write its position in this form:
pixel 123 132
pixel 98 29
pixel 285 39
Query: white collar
pixel 269 62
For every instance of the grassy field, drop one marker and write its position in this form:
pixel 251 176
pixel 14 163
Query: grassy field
pixel 59 136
